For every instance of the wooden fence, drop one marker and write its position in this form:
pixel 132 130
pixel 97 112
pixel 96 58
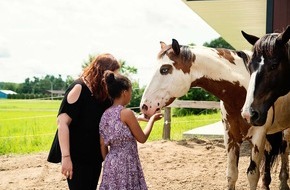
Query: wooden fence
pixel 184 104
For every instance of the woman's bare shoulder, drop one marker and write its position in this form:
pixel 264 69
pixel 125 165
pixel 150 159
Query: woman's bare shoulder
pixel 74 94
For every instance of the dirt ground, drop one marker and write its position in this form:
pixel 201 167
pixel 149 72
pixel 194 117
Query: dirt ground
pixel 193 164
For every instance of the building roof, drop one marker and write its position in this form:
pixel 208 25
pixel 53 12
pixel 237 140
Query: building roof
pixel 56 91
pixel 8 92
pixel 229 17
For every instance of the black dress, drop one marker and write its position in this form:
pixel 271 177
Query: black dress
pixel 85 149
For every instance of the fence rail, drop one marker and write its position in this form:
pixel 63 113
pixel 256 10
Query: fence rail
pixel 184 104
pixel 195 104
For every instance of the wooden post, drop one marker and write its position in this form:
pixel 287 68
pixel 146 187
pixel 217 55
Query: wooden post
pixel 167 123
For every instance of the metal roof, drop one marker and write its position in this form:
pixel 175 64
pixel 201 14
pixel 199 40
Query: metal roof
pixel 8 92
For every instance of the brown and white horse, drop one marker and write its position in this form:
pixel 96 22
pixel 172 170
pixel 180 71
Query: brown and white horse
pixel 223 73
pixel 270 74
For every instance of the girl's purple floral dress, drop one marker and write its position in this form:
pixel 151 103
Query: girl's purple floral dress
pixel 122 169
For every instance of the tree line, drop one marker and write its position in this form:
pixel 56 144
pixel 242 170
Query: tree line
pixel 36 87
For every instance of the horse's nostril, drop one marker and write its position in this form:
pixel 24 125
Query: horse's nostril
pixel 254 115
pixel 144 107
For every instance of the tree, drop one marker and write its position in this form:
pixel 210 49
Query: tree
pixel 218 43
pixel 125 69
pixel 9 86
pixel 68 81
pixel 88 61
pixel 36 86
pixel 26 86
pixel 41 85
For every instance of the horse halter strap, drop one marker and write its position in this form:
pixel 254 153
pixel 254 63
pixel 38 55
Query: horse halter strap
pixel 273 118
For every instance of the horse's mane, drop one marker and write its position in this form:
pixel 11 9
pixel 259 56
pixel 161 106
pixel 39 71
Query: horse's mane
pixel 245 55
pixel 185 52
pixel 266 45
pixel 288 46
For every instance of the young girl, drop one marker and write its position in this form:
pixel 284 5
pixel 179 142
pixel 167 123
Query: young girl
pixel 120 129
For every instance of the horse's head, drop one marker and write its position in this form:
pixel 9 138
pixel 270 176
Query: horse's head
pixel 171 79
pixel 270 71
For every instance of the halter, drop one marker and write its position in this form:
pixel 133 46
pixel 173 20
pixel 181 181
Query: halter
pixel 273 118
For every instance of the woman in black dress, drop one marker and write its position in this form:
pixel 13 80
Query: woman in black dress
pixel 78 124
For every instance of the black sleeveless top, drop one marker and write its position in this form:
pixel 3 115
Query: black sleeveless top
pixel 86 114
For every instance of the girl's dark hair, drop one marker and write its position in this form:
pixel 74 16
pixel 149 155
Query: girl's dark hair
pixel 116 83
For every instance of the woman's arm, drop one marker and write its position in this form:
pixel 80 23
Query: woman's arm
pixel 63 121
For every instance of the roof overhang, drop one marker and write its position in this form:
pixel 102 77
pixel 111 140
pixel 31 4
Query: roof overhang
pixel 229 17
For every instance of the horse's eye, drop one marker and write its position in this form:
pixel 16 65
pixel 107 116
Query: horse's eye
pixel 274 66
pixel 164 70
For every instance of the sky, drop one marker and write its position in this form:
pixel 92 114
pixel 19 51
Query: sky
pixel 55 37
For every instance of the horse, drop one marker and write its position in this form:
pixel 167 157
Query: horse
pixel 223 73
pixel 270 74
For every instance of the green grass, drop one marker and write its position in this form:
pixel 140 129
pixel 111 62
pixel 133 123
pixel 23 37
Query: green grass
pixel 29 125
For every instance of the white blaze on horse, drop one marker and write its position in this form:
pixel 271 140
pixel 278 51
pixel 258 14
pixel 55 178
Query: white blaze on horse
pixel 270 74
pixel 223 73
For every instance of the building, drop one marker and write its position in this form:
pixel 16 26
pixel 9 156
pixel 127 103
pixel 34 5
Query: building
pixel 229 17
pixel 4 93
pixel 56 93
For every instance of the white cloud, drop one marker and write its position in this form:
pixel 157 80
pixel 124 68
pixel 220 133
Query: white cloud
pixel 54 37
pixel 4 52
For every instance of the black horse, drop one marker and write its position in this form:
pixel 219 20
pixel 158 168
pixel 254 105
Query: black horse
pixel 270 74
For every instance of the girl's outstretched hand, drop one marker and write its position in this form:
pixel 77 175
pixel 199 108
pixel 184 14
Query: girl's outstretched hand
pixel 142 118
pixel 157 116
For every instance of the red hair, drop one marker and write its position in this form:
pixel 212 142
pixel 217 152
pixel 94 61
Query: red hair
pixel 93 74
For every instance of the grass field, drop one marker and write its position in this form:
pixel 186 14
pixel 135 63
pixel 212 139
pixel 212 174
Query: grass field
pixel 29 125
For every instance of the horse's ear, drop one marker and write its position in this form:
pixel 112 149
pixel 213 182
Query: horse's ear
pixel 284 37
pixel 175 46
pixel 163 45
pixel 250 38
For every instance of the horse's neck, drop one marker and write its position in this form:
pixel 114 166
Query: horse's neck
pixel 222 78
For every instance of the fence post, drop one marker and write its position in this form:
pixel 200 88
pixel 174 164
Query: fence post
pixel 167 123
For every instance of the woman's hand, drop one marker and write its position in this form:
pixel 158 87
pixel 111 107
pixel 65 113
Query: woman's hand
pixel 67 167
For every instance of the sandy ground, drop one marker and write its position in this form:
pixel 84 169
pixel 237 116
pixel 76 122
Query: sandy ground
pixel 189 164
